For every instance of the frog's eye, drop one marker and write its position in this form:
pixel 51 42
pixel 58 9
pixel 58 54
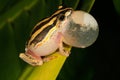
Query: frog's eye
pixel 61 17
pixel 66 14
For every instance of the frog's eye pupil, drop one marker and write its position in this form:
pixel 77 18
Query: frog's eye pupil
pixel 62 17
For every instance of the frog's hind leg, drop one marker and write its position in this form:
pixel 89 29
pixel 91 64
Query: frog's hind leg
pixel 34 61
pixel 49 58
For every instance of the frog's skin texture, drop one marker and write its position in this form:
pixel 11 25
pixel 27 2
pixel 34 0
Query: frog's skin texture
pixel 74 28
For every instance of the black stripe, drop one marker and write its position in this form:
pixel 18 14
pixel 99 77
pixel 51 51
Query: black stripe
pixel 43 33
pixel 47 21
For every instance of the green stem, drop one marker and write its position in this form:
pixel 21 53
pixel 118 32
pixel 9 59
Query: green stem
pixel 48 71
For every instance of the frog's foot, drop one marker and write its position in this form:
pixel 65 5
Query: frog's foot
pixel 62 50
pixel 49 58
pixel 30 59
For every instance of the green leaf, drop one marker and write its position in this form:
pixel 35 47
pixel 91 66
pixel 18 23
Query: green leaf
pixel 71 3
pixel 15 11
pixel 117 5
pixel 86 5
pixel 9 64
pixel 48 71
pixel 17 18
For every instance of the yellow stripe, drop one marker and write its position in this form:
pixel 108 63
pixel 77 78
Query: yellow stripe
pixel 46 38
pixel 41 29
pixel 57 12
pixel 41 22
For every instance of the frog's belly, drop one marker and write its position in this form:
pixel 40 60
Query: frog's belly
pixel 47 47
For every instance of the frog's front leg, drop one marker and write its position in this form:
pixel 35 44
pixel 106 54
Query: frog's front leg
pixel 61 46
pixel 62 49
pixel 31 60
